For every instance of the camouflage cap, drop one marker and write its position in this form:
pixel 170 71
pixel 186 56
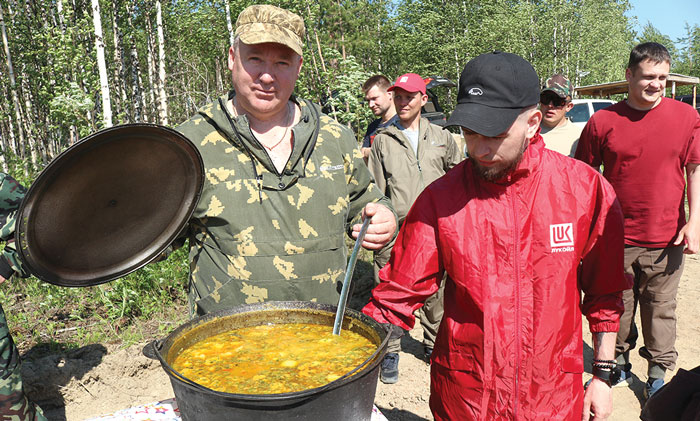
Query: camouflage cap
pixel 559 84
pixel 259 23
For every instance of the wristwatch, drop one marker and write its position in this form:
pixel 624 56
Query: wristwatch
pixel 610 376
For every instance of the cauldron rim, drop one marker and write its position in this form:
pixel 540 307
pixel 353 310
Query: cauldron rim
pixel 270 306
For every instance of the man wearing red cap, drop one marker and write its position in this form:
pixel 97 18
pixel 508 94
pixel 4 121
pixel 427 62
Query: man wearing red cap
pixel 407 156
pixel 524 240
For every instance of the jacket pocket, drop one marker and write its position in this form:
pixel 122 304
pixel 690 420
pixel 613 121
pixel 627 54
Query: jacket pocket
pixel 572 363
pixel 457 361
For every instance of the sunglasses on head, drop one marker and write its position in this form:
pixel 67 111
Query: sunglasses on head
pixel 551 99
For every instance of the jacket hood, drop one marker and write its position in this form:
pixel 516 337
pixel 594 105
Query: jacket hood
pixel 237 131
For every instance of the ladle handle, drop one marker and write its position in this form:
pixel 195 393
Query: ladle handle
pixel 342 302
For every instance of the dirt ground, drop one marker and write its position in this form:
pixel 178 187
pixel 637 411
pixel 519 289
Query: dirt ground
pixel 99 379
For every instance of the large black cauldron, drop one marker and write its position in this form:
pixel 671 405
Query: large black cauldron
pixel 349 398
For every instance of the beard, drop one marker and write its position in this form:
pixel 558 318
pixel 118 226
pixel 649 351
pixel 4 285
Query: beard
pixel 496 172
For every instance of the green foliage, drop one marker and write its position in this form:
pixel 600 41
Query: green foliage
pixel 117 308
pixel 688 62
pixel 70 105
pixel 345 40
pixel 345 103
pixel 651 34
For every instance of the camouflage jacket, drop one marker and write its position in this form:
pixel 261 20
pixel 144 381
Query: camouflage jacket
pixel 11 194
pixel 257 235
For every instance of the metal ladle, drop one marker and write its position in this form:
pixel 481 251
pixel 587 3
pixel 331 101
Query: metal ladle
pixel 342 302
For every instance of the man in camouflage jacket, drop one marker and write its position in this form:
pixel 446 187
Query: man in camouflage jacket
pixel 13 402
pixel 283 185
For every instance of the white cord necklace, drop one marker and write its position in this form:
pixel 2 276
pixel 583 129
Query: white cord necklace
pixel 286 128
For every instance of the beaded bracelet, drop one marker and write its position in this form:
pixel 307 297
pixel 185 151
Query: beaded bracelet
pixel 604 366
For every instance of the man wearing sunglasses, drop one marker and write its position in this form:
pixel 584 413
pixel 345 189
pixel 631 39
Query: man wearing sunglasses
pixel 559 134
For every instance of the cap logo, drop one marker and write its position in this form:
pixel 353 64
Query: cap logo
pixel 475 91
pixel 403 79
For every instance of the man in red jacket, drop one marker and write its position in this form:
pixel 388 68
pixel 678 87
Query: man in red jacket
pixel 520 232
pixel 646 144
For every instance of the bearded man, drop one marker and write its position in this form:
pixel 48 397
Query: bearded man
pixel 520 233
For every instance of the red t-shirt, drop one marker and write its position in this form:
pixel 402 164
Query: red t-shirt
pixel 644 154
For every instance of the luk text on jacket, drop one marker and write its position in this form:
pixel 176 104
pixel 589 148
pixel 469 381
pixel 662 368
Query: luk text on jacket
pixel 561 237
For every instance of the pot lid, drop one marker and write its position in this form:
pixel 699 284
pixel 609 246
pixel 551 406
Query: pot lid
pixel 109 204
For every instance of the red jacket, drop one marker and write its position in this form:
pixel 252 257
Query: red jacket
pixel 518 254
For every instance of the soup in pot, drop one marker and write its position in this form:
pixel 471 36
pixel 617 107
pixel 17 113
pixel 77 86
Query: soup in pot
pixel 273 358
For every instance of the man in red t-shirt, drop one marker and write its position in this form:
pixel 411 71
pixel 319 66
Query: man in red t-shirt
pixel 645 143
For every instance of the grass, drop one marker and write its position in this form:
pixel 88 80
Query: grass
pixel 47 318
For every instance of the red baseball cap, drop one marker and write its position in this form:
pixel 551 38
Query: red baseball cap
pixel 410 82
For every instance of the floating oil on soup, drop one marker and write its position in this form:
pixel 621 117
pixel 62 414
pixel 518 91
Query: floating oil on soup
pixel 273 358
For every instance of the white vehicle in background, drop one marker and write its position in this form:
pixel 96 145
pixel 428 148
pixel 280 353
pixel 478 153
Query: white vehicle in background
pixel 584 108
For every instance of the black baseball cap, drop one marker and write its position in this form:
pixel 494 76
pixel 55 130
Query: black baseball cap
pixel 493 90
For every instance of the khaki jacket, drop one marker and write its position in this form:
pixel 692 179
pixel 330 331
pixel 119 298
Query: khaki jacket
pixel 399 173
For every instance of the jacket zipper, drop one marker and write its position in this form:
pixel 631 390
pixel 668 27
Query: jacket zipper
pixel 516 263
pixel 258 177
pixel 420 170
pixel 409 149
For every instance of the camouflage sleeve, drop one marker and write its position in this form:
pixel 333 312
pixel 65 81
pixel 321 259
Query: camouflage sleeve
pixel 361 188
pixel 11 194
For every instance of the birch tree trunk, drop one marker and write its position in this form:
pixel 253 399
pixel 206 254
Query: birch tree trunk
pixel 13 86
pixel 3 162
pixel 3 143
pixel 136 83
pixel 59 8
pixel 29 117
pixel 379 45
pixel 13 139
pixel 163 100
pixel 229 25
pixel 342 31
pixel 119 79
pixel 313 56
pixel 554 50
pixel 9 134
pixel 101 64
pixel 151 64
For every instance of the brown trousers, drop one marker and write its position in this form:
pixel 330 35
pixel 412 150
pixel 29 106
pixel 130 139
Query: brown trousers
pixel 430 314
pixel 657 273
